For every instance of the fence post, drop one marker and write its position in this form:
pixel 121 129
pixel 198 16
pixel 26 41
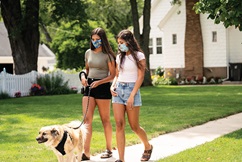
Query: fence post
pixel 4 80
pixel 33 76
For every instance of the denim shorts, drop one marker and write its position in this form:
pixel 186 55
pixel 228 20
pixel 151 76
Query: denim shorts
pixel 124 90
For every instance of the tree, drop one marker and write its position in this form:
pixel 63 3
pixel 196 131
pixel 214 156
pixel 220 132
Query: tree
pixel 21 21
pixel 65 30
pixel 227 11
pixel 71 42
pixel 114 13
pixel 143 38
pixel 115 18
pixel 69 45
pixel 21 18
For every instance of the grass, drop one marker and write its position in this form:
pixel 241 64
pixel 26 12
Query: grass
pixel 165 109
pixel 223 149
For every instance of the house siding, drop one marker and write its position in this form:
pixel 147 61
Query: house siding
pixel 217 56
pixel 235 45
pixel 157 13
pixel 174 53
pixel 215 53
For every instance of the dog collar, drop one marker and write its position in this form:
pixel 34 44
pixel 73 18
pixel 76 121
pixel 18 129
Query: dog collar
pixel 60 146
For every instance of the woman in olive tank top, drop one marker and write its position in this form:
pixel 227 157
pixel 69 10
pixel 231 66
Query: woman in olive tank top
pixel 100 70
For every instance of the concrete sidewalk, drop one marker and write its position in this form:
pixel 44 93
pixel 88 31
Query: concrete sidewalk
pixel 172 143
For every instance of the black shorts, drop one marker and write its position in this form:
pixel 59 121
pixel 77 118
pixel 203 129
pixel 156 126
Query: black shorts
pixel 100 92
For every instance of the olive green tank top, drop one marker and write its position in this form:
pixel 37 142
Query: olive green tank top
pixel 98 64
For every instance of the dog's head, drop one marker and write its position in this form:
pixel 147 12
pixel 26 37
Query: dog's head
pixel 48 134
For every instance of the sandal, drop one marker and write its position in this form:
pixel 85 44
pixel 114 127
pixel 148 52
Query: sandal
pixel 147 154
pixel 84 157
pixel 118 161
pixel 107 154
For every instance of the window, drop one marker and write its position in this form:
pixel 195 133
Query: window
pixel 159 45
pixel 214 36
pixel 174 39
pixel 151 46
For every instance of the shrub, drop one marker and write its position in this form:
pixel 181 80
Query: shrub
pixel 4 95
pixel 37 90
pixel 17 94
pixel 159 71
pixel 54 84
pixel 160 80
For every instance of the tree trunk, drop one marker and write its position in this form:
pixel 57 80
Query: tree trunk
pixel 23 33
pixel 143 38
pixel 193 42
pixel 135 18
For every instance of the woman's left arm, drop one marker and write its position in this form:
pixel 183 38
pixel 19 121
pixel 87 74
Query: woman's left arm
pixel 141 74
pixel 138 83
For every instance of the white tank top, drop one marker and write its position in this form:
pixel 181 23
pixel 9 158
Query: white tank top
pixel 129 71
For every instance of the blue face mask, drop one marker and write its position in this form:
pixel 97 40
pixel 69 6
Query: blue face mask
pixel 97 43
pixel 123 47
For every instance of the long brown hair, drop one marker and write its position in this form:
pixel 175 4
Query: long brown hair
pixel 133 46
pixel 106 48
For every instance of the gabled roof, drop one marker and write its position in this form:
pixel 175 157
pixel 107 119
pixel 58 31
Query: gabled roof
pixel 168 15
pixel 163 17
pixel 5 49
pixel 153 5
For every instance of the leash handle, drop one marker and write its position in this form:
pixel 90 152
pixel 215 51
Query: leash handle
pixel 80 75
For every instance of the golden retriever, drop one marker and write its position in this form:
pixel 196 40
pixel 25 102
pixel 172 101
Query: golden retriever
pixel 65 140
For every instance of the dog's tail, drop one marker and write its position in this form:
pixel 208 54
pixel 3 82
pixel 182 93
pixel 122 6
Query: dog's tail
pixel 76 124
pixel 84 131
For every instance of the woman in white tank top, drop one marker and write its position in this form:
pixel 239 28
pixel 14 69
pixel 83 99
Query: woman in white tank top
pixel 125 90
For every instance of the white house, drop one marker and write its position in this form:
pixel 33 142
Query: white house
pixel 46 57
pixel 222 48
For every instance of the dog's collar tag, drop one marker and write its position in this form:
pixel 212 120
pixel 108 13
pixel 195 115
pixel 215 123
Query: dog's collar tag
pixel 60 146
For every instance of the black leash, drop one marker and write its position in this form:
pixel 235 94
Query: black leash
pixel 88 99
pixel 89 92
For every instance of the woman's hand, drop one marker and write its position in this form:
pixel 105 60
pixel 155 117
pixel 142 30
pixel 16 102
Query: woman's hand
pixel 130 103
pixel 113 91
pixel 84 81
pixel 94 84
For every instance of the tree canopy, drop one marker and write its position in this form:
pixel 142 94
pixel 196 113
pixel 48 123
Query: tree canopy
pixel 70 43
pixel 116 14
pixel 64 28
pixel 22 19
pixel 229 12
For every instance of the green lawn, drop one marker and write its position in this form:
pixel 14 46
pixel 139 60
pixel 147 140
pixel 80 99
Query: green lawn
pixel 165 109
pixel 224 149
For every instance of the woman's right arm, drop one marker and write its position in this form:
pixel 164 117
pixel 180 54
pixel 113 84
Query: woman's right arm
pixel 83 77
pixel 113 86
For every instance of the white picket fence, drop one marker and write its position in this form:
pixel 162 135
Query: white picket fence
pixel 22 83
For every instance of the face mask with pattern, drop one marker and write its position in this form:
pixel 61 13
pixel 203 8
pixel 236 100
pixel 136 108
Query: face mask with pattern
pixel 97 43
pixel 123 47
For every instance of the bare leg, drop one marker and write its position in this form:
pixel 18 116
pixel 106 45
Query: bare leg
pixel 88 121
pixel 104 111
pixel 133 118
pixel 119 115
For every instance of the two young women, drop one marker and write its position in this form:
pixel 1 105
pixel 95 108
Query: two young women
pixel 127 75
